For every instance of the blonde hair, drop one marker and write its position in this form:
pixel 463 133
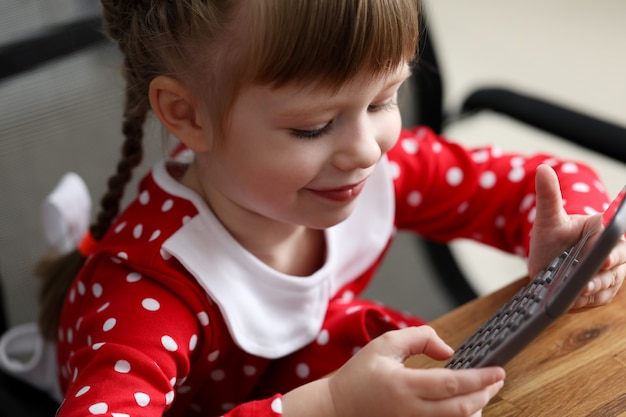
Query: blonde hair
pixel 219 46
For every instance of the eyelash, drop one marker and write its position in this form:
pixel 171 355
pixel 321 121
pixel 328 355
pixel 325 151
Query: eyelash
pixel 316 133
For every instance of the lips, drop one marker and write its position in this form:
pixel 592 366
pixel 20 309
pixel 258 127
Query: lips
pixel 342 194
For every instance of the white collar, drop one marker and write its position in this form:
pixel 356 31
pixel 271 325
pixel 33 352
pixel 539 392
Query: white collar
pixel 271 314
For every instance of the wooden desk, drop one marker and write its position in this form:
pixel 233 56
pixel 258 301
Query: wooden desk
pixel 577 367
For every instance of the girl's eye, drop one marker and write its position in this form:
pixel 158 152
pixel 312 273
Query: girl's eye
pixel 386 106
pixel 310 133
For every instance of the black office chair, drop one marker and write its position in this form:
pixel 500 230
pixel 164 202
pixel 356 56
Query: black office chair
pixel 427 93
pixel 16 397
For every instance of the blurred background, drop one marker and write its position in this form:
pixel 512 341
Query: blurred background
pixel 65 115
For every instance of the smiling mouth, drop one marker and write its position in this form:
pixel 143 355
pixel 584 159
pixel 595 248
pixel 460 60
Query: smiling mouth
pixel 342 194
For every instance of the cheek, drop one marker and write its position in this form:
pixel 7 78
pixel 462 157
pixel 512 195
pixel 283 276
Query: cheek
pixel 391 131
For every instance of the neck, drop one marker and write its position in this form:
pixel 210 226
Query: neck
pixel 291 249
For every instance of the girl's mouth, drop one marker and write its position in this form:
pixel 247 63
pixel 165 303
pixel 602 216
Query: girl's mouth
pixel 342 194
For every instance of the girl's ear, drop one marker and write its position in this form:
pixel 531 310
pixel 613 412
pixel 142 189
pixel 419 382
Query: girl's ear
pixel 180 112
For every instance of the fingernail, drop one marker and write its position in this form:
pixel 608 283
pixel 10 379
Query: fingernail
pixel 590 286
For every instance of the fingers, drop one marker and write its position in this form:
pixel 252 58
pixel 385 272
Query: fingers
pixel 460 392
pixel 410 341
pixel 549 204
pixel 447 383
pixel 602 288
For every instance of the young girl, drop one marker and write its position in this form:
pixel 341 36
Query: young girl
pixel 228 287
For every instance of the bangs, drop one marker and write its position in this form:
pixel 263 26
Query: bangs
pixel 329 41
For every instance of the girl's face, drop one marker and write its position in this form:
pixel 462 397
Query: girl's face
pixel 300 155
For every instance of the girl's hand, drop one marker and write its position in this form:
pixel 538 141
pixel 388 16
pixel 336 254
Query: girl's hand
pixel 376 383
pixel 554 231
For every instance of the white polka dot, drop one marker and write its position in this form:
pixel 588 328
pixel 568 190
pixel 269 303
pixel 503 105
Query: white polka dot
pixel 410 146
pixel 463 207
pixel 218 375
pixel 155 235
pixel 120 227
pixel 120 415
pixel 517 162
pixel 133 277
pixel 414 198
pixel 82 391
pixel 103 307
pixel 213 356
pixel 123 255
pixel 516 174
pixel 122 366
pixel 96 290
pixel 169 343
pixel 496 151
pixel 347 296
pixel 395 170
pixel 480 156
pixel 590 210
pixel 532 214
pixel 437 147
pixel 151 304
pixel 167 205
pixel 204 318
pixel 109 324
pixel 551 162
pixel 99 409
pixel 81 288
pixel 581 187
pixel 142 399
pixel 193 342
pixel 277 405
pixel 70 335
pixel 78 323
pixel 569 168
pixel 599 185
pixel 303 370
pixel 488 180
pixel 97 346
pixel 527 202
pixel 323 337
pixel 353 309
pixel 169 398
pixel 249 370
pixel 144 197
pixel 454 176
pixel 500 222
pixel 138 231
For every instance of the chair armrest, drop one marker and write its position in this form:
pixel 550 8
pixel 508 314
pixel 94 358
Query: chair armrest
pixel 587 131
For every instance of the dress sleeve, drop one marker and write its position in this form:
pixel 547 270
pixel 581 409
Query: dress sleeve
pixel 445 191
pixel 127 345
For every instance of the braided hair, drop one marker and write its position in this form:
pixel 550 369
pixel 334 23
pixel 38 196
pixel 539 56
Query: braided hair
pixel 324 42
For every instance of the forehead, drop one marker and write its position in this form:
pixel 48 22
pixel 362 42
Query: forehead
pixel 296 99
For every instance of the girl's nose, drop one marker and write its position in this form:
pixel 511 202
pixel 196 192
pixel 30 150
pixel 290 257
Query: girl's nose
pixel 358 149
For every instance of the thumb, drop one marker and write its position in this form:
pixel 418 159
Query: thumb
pixel 549 203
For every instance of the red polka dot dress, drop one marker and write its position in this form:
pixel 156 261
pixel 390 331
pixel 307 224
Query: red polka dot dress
pixel 171 316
